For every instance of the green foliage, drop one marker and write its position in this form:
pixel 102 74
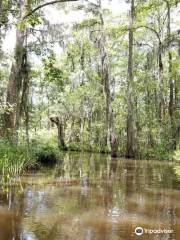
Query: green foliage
pixel 52 73
pixel 34 20
pixel 14 160
pixel 44 149
pixel 155 153
pixel 46 155
pixel 87 148
pixel 70 83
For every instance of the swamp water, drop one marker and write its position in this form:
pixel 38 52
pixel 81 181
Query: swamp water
pixel 93 197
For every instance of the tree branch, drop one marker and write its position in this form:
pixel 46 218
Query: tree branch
pixel 44 5
pixel 147 27
pixel 151 29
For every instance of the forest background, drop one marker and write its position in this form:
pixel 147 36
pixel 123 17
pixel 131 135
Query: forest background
pixel 97 76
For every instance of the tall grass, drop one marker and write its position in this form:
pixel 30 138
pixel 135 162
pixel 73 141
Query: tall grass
pixel 14 160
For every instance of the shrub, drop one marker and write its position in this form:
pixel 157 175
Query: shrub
pixel 46 155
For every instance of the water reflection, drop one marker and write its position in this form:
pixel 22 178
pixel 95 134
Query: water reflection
pixel 93 197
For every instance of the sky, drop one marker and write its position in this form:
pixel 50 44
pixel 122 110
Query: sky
pixel 52 13
pixel 55 15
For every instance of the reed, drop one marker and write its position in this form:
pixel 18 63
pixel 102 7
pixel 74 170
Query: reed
pixel 14 160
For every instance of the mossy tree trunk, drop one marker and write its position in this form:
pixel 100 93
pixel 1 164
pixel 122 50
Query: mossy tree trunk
pixel 13 97
pixel 111 139
pixel 130 151
pixel 59 121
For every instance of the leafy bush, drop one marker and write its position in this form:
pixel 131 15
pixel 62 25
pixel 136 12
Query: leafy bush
pixel 74 147
pixel 158 153
pixel 46 155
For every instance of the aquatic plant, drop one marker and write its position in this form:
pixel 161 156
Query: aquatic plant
pixel 14 160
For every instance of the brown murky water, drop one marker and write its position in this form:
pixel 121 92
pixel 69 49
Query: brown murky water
pixel 92 197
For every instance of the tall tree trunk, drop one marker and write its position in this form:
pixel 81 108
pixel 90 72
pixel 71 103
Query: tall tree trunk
pixel 150 140
pixel 171 83
pixel 130 152
pixel 149 111
pixel 176 102
pixel 106 81
pixel 160 84
pixel 12 118
pixel 25 95
pixel 111 139
pixel 14 87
